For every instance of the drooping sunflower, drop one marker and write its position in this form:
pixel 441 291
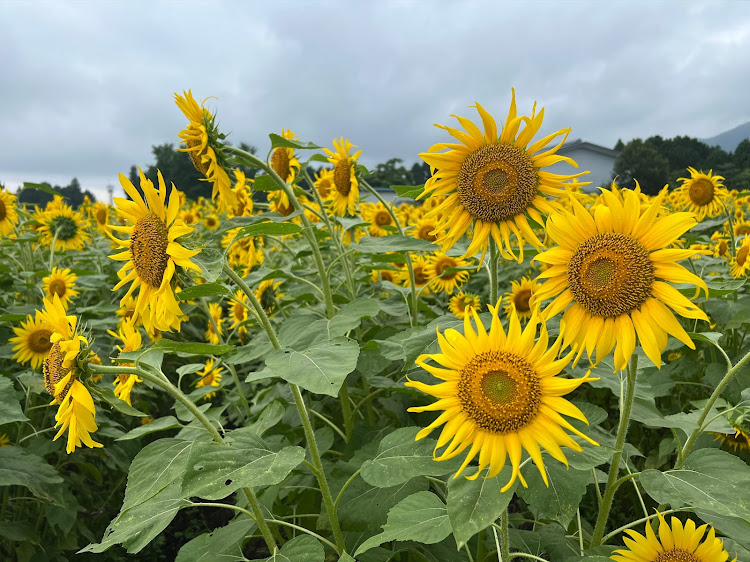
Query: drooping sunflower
pixel 378 217
pixel 76 413
pixel 32 340
pixel 494 181
pixel 152 253
pixel 740 264
pixel 610 273
pixel 283 161
pixel 461 304
pixel 324 183
pixel 8 213
pixel 702 193
pixel 60 224
pixel 129 335
pixel 519 297
pixel 439 267
pixel 500 395
pixel 216 314
pixel 740 439
pixel 676 544
pixel 61 282
pixel 244 207
pixel 346 186
pixel 268 295
pixel 209 376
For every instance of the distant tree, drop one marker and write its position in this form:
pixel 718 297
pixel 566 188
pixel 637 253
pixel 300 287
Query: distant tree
pixel 72 193
pixel 420 173
pixel 638 160
pixel 392 172
pixel 741 156
pixel 620 145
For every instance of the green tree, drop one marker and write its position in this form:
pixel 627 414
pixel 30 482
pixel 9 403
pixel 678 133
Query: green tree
pixel 72 193
pixel 392 172
pixel 640 161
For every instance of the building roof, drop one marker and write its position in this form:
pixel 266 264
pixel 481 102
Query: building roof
pixel 579 144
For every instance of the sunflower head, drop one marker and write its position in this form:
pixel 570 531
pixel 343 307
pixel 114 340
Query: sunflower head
pixel 324 183
pixel 520 296
pixel 62 226
pixel 740 263
pixel 8 213
pixel 442 268
pixel 209 376
pixel 268 295
pixel 378 217
pixel 61 282
pixel 32 340
pixel 701 193
pixel 283 161
pixel 345 193
pixel 461 304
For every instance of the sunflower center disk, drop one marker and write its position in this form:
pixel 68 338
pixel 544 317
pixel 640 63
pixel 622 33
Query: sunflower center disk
pixel 424 233
pixel 521 300
pixel 742 255
pixel 445 263
pixel 64 227
pixel 39 341
pixel 54 372
pixel 497 182
pixel 3 210
pixel 196 156
pixel 342 179
pixel 280 163
pixel 420 278
pixel 324 188
pixel 610 274
pixel 57 287
pixel 101 216
pixel 268 298
pixel 701 192
pixel 148 247
pixel 382 218
pixel 677 555
pixel 500 391
pixel 239 311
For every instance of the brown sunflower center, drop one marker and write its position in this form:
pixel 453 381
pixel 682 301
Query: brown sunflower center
pixel 444 263
pixel 723 248
pixel 54 372
pixel 38 341
pixel 148 248
pixel 497 182
pixel 521 300
pixel 386 276
pixel 743 230
pixel 268 298
pixel 65 228
pixel 420 277
pixel 324 187
pixel 58 287
pixel 101 215
pixel 239 312
pixel 701 192
pixel 742 255
pixel 196 156
pixel 342 178
pixel 188 217
pixel 382 218
pixel 500 391
pixel 610 274
pixel 424 232
pixel 677 555
pixel 211 222
pixel 3 210
pixel 280 163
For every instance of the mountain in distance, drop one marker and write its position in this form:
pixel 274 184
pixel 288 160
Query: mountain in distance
pixel 728 140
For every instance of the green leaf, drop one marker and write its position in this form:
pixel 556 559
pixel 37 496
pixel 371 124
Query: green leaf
pixel 19 468
pixel 211 261
pixel 318 158
pixel 707 337
pixel 151 356
pixel 715 288
pixel 710 479
pixel 401 458
pixel 12 317
pixel 268 418
pixel 161 424
pixel 303 329
pixel 265 183
pixel 216 470
pixel 409 191
pixel 393 243
pixel 205 290
pixel 192 348
pixel 303 548
pixel 39 186
pixel 561 500
pixel 474 504
pixel 322 368
pixel 108 395
pixel 279 141
pixel 266 229
pixel 346 558
pixel 10 409
pixel 224 543
pixel 421 517
pixel 19 531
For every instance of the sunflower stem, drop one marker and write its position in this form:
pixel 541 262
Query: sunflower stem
pixel 409 264
pixel 504 537
pixel 707 408
pixel 614 469
pixel 481 548
pixel 346 410
pixel 493 272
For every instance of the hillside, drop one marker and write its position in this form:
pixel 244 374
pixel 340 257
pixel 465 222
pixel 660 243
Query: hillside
pixel 728 140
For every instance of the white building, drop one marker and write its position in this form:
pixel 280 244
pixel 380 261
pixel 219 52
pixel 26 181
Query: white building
pixel 599 160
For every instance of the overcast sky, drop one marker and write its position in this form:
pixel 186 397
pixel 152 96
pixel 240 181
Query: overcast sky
pixel 86 88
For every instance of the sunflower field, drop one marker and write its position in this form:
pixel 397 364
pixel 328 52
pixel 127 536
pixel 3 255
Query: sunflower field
pixel 503 364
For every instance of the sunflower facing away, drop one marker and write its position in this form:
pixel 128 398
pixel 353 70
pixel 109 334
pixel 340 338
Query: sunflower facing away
pixel 494 181
pixel 61 282
pixel 63 226
pixel 702 193
pixel 676 544
pixel 461 304
pixel 500 395
pixel 611 274
pixel 32 340
pixel 268 294
pixel 8 213
pixel 151 252
pixel 519 297
pixel 129 335
pixel 740 439
pixel 76 412
pixel 209 376
pixel 345 185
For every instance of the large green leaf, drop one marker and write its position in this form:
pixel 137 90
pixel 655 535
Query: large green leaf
pixel 10 409
pixel 204 290
pixel 19 468
pixel 303 329
pixel 393 243
pixel 322 368
pixel 211 261
pixel 421 517
pixel 220 545
pixel 303 548
pixel 710 479
pixel 191 348
pixel 561 499
pixel 216 470
pixel 269 228
pixel 410 191
pixel 401 458
pixel 160 424
pixel 279 141
pixel 474 504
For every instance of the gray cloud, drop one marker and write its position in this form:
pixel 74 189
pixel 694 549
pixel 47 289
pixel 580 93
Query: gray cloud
pixel 87 87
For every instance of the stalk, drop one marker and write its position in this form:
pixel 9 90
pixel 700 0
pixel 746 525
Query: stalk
pixel 493 272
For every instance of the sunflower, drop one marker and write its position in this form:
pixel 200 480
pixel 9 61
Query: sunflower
pixel 494 181
pixel 211 222
pixel 462 303
pixel 60 224
pixel 423 274
pixel 216 313
pixel 131 337
pixel 244 207
pixel 61 282
pixel 378 217
pixel 720 245
pixel 33 340
pixel 4 440
pixel 391 275
pixel 209 376
pixel 76 413
pixel 611 273
pixel 346 187
pixel 246 253
pixel 324 183
pixel 267 295
pixel 426 229
pixel 8 213
pixel 189 216
pixel 443 279
pixel 676 544
pixel 519 297
pixel 127 308
pixel 238 314
pixel 152 254
pixel 702 193
pixel 740 439
pixel 500 395
pixel 283 161
pixel 100 214
pixel 740 264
